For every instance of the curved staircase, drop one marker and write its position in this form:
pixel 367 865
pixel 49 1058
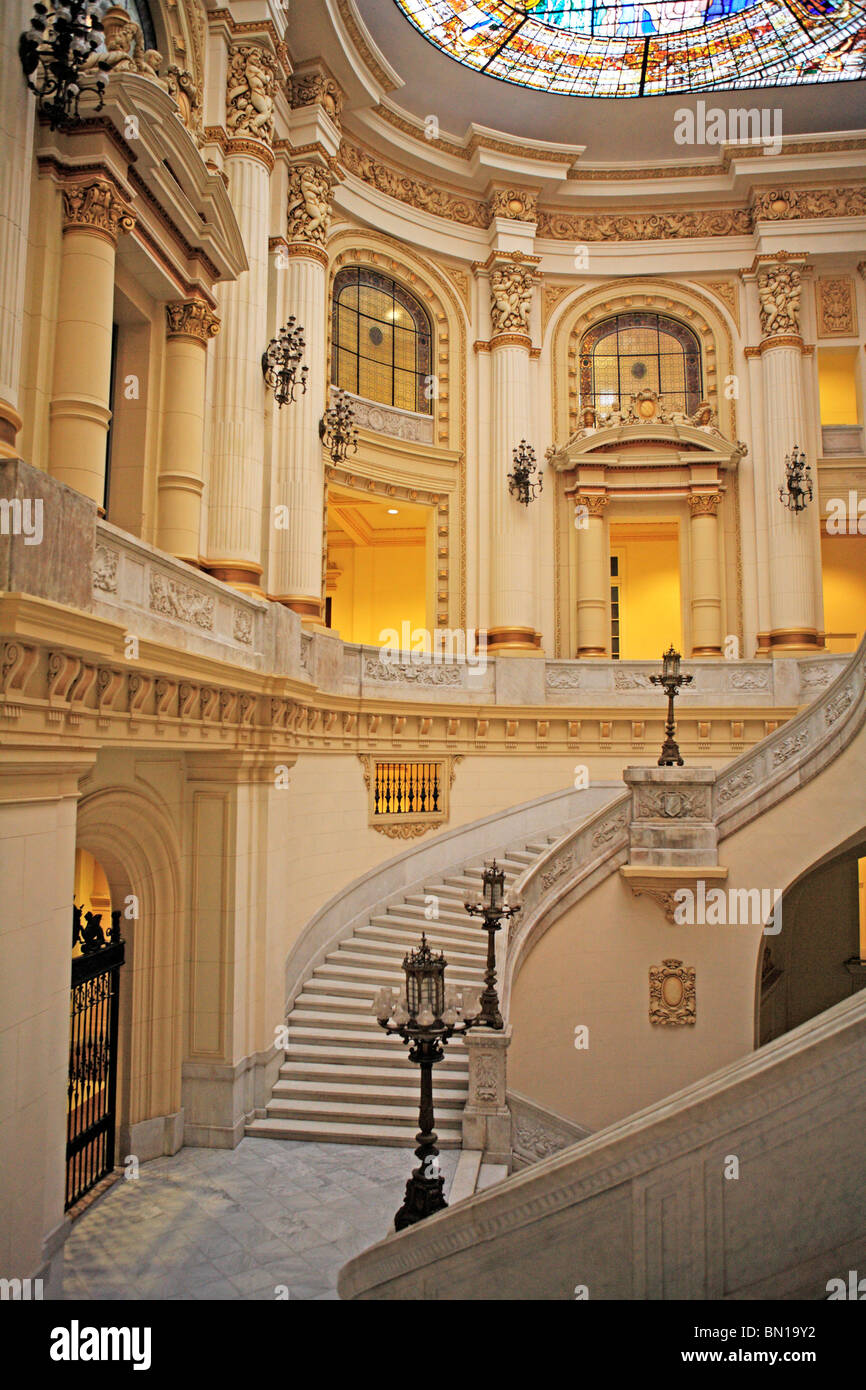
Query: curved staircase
pixel 343 1079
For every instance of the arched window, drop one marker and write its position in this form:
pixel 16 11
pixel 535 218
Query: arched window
pixel 636 352
pixel 381 340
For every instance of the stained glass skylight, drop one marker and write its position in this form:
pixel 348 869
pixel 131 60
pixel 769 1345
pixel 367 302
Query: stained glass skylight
pixel 627 48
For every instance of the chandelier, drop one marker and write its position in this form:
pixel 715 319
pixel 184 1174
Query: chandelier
pixel 56 54
pixel 337 428
pixel 796 490
pixel 521 483
pixel 281 361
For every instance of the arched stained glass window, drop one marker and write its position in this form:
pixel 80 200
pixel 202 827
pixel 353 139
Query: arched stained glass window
pixel 381 340
pixel 636 352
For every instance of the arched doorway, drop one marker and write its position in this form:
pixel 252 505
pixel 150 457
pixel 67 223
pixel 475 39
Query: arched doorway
pixel 819 956
pixel 129 834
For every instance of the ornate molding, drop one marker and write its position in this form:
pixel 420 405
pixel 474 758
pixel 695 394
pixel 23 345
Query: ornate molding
pixel 594 503
pixel 191 318
pixel 316 88
pixel 704 503
pixel 96 207
pixel 517 204
pixel 407 188
pixel 176 600
pixel 398 424
pixel 511 297
pixel 672 993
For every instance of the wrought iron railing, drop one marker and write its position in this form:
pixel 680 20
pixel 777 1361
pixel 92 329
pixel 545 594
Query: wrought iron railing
pixel 93 1033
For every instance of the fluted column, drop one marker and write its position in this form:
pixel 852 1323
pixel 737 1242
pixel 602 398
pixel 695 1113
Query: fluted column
pixel 796 608
pixel 16 156
pixel 236 483
pixel 593 576
pixel 513 600
pixel 706 581
pixel 94 215
pixel 190 325
pixel 299 476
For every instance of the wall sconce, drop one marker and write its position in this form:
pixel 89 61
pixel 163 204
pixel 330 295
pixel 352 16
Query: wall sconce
pixel 796 490
pixel 58 47
pixel 521 483
pixel 337 428
pixel 280 362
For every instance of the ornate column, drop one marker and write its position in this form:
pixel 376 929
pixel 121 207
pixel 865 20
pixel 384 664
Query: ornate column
pixel 593 576
pixel 796 608
pixel 236 486
pixel 299 475
pixel 513 556
pixel 16 160
pixel 94 215
pixel 705 575
pixel 190 325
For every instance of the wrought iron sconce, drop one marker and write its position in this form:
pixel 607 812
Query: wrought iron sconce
pixel 671 678
pixel 492 909
pixel 521 483
pixel 426 1016
pixel 281 360
pixel 796 490
pixel 337 428
pixel 58 48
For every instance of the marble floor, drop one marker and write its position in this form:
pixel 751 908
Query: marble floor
pixel 246 1223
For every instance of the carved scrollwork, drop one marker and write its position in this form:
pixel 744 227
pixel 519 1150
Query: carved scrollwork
pixel 672 994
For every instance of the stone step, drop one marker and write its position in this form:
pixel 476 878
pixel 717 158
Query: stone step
pixel 312 1001
pixel 377 941
pixel 331 1075
pixel 335 974
pixel 489 1174
pixel 392 929
pixel 377 1113
pixel 420 915
pixel 362 1093
pixel 358 1021
pixel 339 1132
pixel 320 1048
pixel 466 1176
pixel 387 963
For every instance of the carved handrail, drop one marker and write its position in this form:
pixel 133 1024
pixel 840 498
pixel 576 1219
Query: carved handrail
pixel 792 755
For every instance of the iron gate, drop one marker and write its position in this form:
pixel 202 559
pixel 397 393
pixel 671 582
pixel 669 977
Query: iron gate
pixel 93 1026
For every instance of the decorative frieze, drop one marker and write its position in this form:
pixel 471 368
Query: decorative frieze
pixel 517 204
pixel 316 88
pixel 398 424
pixel 399 184
pixel 105 569
pixel 643 226
pixel 96 207
pixel 421 673
pixel 781 205
pixel 176 600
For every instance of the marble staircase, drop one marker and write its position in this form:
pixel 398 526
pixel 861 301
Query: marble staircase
pixel 343 1079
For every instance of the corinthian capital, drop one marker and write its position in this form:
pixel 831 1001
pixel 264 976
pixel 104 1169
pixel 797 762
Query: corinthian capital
pixel 250 88
pixel 704 503
pixel 191 318
pixel 309 206
pixel 97 207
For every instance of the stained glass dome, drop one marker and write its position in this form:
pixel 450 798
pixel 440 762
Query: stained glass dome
pixel 628 48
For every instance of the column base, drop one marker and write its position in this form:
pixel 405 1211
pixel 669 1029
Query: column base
pixel 242 575
pixel 791 640
pixel 309 610
pixel 706 651
pixel 514 639
pixel 10 424
pixel 600 653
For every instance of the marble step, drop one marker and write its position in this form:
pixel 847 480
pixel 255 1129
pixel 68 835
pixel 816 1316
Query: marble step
pixel 374 1112
pixel 331 1075
pixel 321 1048
pixel 362 1092
pixel 389 960
pixel 341 1132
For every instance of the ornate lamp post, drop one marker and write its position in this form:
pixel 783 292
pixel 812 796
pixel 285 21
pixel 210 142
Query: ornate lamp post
pixel 337 428
pixel 281 360
pixel 63 36
pixel 426 1017
pixel 521 483
pixel 492 909
pixel 796 490
pixel 671 678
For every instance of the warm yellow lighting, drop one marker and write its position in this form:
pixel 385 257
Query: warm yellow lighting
pixel 861 881
pixel 392 511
